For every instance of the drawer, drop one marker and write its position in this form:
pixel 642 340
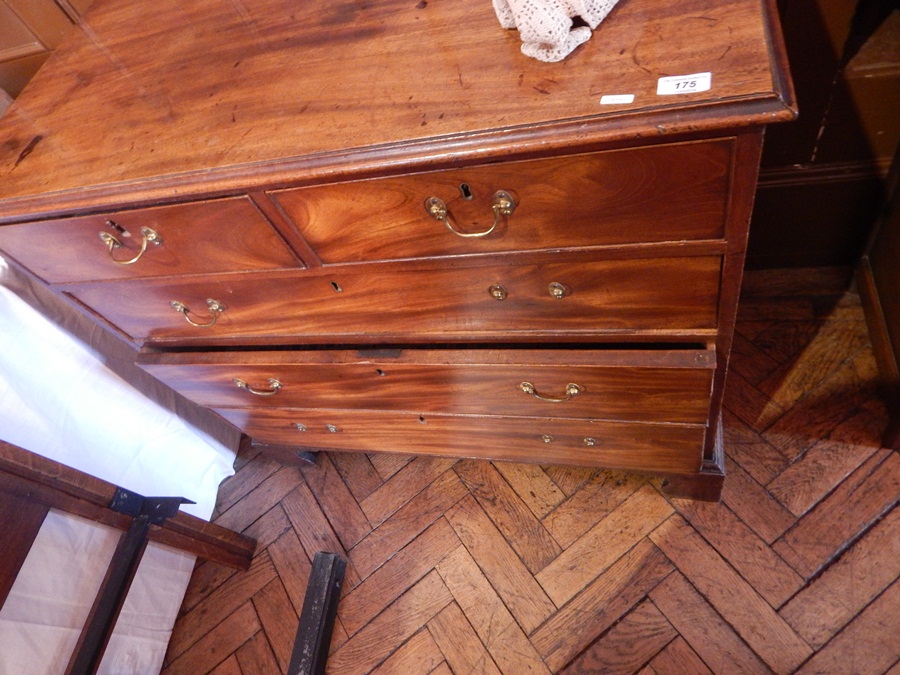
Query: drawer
pixel 660 193
pixel 663 448
pixel 226 235
pixel 657 296
pixel 632 385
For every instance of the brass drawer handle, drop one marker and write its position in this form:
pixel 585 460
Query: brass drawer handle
pixel 273 383
pixel 504 205
pixel 148 236
pixel 215 309
pixel 572 390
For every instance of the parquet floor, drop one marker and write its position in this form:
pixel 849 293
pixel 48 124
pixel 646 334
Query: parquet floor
pixel 472 567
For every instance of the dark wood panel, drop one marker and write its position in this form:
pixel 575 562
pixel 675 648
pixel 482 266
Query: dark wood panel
pixel 879 280
pixel 624 196
pixel 21 520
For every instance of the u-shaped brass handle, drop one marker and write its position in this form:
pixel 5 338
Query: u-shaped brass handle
pixel 572 390
pixel 148 236
pixel 273 383
pixel 215 309
pixel 504 204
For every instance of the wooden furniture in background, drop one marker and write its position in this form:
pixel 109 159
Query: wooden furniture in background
pixel 31 485
pixel 383 228
pixel 822 180
pixel 37 484
pixel 29 32
pixel 879 286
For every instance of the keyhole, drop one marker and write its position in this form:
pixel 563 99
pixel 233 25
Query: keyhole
pixel 118 228
pixel 466 191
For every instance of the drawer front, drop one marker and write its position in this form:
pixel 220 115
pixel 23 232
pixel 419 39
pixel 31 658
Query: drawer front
pixel 666 448
pixel 227 235
pixel 659 296
pixel 654 194
pixel 637 385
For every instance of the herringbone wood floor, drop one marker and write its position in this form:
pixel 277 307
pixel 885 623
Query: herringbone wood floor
pixel 473 567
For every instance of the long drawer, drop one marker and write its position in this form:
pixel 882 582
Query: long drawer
pixel 660 296
pixel 663 448
pixel 670 192
pixel 225 235
pixel 628 385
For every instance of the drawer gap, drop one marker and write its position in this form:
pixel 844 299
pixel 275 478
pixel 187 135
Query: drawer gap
pixel 395 350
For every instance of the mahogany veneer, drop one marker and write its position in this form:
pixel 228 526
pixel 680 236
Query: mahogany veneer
pixel 294 173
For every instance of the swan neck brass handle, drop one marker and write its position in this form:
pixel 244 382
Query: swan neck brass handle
pixel 572 390
pixel 503 206
pixel 148 236
pixel 215 309
pixel 275 387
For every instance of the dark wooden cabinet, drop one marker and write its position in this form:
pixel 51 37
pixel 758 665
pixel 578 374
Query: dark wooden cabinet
pixel 383 228
pixel 878 275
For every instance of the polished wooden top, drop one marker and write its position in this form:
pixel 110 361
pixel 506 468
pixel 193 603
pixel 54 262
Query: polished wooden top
pixel 158 100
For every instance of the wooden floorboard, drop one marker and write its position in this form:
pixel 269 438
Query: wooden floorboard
pixel 478 567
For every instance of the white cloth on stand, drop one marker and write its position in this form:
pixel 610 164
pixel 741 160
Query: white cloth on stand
pixel 60 400
pixel 546 27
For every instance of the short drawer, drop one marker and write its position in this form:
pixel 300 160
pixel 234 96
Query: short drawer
pixel 672 192
pixel 661 448
pixel 226 235
pixel 630 385
pixel 658 296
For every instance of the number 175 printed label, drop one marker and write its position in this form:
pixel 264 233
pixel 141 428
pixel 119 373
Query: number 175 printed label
pixel 683 84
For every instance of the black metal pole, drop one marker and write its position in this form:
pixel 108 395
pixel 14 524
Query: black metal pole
pixel 317 617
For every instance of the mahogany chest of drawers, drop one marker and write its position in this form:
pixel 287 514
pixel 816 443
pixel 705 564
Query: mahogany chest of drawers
pixel 379 227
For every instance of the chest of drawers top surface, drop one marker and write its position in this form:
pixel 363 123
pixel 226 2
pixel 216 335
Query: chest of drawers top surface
pixel 167 100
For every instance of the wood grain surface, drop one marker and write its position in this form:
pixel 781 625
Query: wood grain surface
pixel 636 385
pixel 194 97
pixel 348 305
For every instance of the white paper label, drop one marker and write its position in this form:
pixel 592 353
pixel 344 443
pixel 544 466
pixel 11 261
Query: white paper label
pixel 617 99
pixel 684 84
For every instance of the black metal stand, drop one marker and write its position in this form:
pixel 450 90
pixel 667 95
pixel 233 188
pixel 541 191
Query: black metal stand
pixel 145 511
pixel 317 618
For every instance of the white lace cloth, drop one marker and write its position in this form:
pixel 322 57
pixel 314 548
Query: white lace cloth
pixel 546 26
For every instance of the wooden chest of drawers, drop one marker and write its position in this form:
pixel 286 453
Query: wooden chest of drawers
pixel 380 227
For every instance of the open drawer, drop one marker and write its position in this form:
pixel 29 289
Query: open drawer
pixel 646 385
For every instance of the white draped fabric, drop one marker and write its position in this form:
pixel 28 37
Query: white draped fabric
pixel 59 399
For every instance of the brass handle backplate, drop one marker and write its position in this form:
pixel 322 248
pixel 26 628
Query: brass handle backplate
pixel 572 390
pixel 498 292
pixel 215 309
pixel 558 290
pixel 503 205
pixel 148 236
pixel 275 387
